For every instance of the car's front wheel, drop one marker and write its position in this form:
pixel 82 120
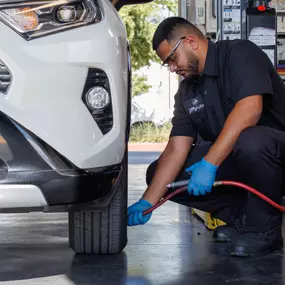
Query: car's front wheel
pixel 93 232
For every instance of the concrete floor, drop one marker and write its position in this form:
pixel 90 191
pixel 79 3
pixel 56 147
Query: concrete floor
pixel 173 248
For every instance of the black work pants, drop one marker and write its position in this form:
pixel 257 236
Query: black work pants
pixel 258 161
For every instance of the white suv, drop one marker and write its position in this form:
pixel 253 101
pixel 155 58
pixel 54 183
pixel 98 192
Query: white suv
pixel 65 100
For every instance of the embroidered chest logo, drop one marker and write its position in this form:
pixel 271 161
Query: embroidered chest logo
pixel 196 105
pixel 195 101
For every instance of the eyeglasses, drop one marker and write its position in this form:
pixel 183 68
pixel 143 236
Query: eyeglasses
pixel 172 52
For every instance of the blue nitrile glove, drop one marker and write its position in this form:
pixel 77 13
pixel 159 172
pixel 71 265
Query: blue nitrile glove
pixel 135 213
pixel 202 178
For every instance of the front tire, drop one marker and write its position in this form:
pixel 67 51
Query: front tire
pixel 93 232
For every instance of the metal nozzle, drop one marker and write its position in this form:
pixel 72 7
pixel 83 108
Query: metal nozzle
pixel 178 184
pixel 182 183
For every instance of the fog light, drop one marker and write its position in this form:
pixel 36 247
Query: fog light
pixel 97 98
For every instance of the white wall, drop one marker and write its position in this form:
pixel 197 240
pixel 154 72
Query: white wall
pixel 164 85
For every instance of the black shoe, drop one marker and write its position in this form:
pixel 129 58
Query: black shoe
pixel 226 233
pixel 250 244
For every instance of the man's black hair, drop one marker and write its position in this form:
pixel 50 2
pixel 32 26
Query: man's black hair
pixel 167 28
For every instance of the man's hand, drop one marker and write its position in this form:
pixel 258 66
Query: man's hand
pixel 202 178
pixel 135 213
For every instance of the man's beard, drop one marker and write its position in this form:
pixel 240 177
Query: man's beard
pixel 193 66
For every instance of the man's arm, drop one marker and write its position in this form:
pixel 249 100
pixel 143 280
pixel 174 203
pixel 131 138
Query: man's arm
pixel 249 74
pixel 169 165
pixel 246 113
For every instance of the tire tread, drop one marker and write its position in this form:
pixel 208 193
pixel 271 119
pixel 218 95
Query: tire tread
pixel 105 232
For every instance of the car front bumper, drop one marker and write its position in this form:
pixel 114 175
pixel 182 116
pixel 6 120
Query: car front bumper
pixel 34 176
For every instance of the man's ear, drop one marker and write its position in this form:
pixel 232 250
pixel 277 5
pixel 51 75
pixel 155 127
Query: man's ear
pixel 192 41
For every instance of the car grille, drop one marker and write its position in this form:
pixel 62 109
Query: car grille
pixel 5 78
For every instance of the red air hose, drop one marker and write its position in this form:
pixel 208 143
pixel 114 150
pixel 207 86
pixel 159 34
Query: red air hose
pixel 218 183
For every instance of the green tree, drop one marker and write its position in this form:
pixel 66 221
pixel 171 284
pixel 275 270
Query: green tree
pixel 139 84
pixel 141 21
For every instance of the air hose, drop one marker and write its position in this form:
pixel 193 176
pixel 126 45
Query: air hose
pixel 183 187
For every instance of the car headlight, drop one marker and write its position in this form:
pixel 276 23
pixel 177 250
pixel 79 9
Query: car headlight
pixel 39 18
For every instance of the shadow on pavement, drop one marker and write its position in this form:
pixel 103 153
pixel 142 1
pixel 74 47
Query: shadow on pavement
pixel 110 269
pixel 27 261
pixel 20 262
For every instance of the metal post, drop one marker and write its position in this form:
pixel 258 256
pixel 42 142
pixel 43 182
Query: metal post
pixel 182 9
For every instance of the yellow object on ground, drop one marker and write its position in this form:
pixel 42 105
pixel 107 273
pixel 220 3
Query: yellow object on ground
pixel 210 222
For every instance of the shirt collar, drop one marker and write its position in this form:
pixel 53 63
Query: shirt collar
pixel 211 63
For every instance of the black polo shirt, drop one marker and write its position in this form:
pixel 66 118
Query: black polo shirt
pixel 233 70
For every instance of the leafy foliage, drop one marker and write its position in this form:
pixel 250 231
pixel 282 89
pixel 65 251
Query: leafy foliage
pixel 140 85
pixel 148 132
pixel 141 21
